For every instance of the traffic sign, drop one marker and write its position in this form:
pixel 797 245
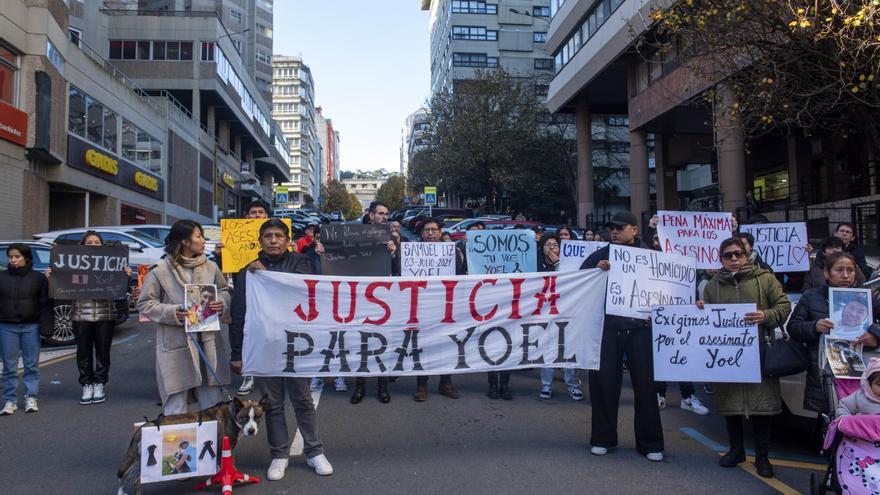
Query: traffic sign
pixel 281 195
pixel 431 196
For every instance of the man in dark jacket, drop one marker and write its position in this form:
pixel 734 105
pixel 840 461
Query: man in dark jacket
pixel 631 337
pixel 274 256
pixel 846 232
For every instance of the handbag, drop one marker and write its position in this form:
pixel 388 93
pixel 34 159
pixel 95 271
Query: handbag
pixel 783 356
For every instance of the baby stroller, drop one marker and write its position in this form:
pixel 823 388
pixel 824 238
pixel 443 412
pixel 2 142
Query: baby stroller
pixel 852 443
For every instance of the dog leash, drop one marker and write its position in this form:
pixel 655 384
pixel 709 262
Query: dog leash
pixel 209 367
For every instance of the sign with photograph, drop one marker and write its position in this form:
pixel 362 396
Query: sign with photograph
pixel 845 358
pixel 573 253
pixel 356 249
pixel 180 451
pixel 851 312
pixel 697 234
pixel 501 251
pixel 197 300
pixel 241 241
pixel 783 246
pixel 641 278
pixel 88 272
pixel 427 259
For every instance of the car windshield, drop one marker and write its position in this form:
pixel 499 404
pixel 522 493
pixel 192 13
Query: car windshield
pixel 146 239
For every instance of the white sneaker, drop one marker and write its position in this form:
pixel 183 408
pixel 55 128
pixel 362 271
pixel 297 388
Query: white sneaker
pixel 276 469
pixel 9 408
pixel 98 397
pixel 598 450
pixel 321 465
pixel 316 384
pixel 30 404
pixel 340 384
pixel 655 456
pixel 661 402
pixel 88 393
pixel 246 385
pixel 694 405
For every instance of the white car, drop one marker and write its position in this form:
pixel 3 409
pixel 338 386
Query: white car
pixel 143 249
pixel 467 222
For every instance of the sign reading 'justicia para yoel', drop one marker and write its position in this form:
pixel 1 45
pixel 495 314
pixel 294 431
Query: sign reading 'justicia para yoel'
pixel 88 272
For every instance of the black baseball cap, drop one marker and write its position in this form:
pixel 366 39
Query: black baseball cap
pixel 623 218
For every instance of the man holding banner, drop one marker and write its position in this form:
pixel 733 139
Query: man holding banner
pixel 631 337
pixel 274 256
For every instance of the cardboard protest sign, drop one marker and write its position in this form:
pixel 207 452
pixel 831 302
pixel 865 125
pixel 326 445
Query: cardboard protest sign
pixel 851 312
pixel 783 246
pixel 694 234
pixel 88 272
pixel 179 451
pixel 390 326
pixel 200 317
pixel 501 251
pixel 427 259
pixel 241 241
pixel 713 345
pixel 573 253
pixel 640 279
pixel 356 249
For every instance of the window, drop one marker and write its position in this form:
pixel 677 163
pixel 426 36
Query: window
pixel 473 7
pixel 264 30
pixel 235 15
pixel 541 11
pixel 54 56
pixel 541 89
pixel 264 57
pixel 207 51
pixel 476 33
pixel 76 112
pixel 129 50
pixel 538 37
pixel 544 64
pixel 597 16
pixel 473 60
pixel 143 50
pixel 186 51
pixel 75 35
pixel 94 121
pixel 555 4
pixel 172 50
pixel 109 140
pixel 8 73
pixel 158 50
pixel 617 121
pixel 129 136
pixel 265 5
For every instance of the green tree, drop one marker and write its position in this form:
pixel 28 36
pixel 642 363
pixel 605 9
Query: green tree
pixel 392 191
pixel 335 197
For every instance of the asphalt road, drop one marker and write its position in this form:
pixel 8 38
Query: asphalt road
pixel 470 445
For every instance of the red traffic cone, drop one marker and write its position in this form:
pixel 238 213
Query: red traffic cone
pixel 227 475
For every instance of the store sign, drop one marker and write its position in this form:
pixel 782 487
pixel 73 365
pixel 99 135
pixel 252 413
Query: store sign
pixel 84 156
pixel 228 179
pixel 13 124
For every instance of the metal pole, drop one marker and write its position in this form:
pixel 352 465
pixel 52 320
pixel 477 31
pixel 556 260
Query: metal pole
pixel 88 209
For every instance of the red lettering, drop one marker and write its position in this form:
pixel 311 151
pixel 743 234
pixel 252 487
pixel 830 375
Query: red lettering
pixel 373 299
pixel 413 298
pixel 450 295
pixel 544 297
pixel 474 313
pixel 352 294
pixel 517 293
pixel 313 307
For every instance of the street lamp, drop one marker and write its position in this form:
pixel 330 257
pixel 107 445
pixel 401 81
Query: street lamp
pixel 233 34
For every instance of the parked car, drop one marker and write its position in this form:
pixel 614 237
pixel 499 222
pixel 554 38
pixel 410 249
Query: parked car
pixel 156 231
pixel 416 222
pixel 60 331
pixel 402 213
pixel 337 216
pixel 143 249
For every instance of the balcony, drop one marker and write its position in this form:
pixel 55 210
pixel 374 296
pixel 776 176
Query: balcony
pixel 251 187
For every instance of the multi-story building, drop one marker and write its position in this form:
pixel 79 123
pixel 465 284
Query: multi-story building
pixel 412 137
pixel 293 107
pixel 364 190
pixel 329 139
pixel 471 35
pixel 130 116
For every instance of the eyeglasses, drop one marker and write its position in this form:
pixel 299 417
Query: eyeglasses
pixel 551 245
pixel 732 255
pixel 432 229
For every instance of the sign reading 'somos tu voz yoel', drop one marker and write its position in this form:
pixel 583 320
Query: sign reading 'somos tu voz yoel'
pixel 84 156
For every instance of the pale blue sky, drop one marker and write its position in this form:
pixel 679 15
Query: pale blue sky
pixel 371 67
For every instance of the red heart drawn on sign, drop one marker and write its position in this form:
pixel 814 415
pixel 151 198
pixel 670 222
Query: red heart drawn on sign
pixel 798 253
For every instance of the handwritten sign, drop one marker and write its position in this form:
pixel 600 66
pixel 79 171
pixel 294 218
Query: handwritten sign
pixel 88 272
pixel 695 234
pixel 783 246
pixel 573 253
pixel 501 251
pixel 427 259
pixel 641 278
pixel 241 241
pixel 356 249
pixel 714 344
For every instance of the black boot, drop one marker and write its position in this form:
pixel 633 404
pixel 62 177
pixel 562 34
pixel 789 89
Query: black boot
pixel 761 426
pixel 493 391
pixel 505 392
pixel 735 434
pixel 732 458
pixel 763 466
pixel 384 397
pixel 359 393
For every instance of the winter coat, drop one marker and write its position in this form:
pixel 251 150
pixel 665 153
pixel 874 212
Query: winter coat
pixel 753 285
pixel 613 322
pixel 24 296
pixel 93 310
pixel 179 366
pixel 286 263
pixel 856 251
pixel 864 400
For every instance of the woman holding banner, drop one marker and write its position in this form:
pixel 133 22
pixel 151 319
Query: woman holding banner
pixel 809 322
pixel 739 282
pixel 179 368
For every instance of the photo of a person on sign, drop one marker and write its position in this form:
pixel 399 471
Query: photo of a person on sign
pixel 850 312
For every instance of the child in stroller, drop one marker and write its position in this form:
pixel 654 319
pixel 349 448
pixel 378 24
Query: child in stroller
pixel 853 438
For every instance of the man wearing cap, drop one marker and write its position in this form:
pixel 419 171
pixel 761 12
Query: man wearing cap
pixel 630 337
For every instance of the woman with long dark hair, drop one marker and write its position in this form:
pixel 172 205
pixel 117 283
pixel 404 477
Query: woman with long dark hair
pixel 180 371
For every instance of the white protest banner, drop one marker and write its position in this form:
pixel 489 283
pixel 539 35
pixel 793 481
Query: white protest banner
pixel 783 246
pixel 695 234
pixel 641 278
pixel 304 325
pixel 713 345
pixel 573 253
pixel 501 251
pixel 427 259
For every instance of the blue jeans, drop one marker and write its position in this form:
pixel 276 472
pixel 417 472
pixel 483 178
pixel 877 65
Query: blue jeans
pixel 569 374
pixel 24 338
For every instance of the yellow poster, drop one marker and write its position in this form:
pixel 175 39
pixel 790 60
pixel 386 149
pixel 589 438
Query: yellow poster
pixel 241 242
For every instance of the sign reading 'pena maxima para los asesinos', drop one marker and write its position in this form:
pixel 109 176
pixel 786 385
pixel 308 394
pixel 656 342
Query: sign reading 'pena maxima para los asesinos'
pixel 300 325
pixel 88 272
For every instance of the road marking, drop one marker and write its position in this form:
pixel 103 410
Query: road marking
pixel 72 354
pixel 296 445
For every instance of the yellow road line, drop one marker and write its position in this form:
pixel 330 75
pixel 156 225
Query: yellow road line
pixel 59 359
pixel 772 482
pixel 794 464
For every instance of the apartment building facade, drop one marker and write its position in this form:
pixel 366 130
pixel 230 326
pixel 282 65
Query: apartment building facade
pixel 412 137
pixel 328 136
pixel 293 107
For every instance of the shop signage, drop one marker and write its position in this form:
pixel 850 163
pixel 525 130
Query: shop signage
pixel 84 156
pixel 228 179
pixel 13 124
